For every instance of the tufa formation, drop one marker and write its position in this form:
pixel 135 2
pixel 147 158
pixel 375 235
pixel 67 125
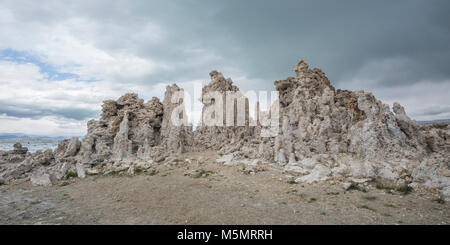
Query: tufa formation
pixel 324 134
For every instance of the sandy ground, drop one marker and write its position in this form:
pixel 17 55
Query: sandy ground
pixel 225 196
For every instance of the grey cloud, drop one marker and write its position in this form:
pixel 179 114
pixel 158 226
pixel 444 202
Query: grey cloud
pixel 265 38
pixel 38 111
pixel 262 40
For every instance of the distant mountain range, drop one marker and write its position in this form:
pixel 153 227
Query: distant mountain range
pixel 442 121
pixel 28 136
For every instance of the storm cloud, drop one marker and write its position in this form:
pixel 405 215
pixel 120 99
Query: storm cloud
pixel 60 59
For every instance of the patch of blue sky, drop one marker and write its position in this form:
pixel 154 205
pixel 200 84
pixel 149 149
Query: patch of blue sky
pixel 48 70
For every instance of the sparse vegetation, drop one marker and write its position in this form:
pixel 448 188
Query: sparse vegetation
pixel 292 182
pixel 368 208
pixel 71 174
pixel 404 189
pixel 440 125
pixel 439 200
pixel 356 188
pixel 152 172
pixel 381 186
pixel 390 205
pixel 312 199
pixel 203 173
pixel 387 215
pixel 138 170
pixel 370 198
pixel 35 202
pixel 323 213
pixel 115 172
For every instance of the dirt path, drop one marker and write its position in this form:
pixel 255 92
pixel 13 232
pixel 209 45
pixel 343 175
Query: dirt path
pixel 225 196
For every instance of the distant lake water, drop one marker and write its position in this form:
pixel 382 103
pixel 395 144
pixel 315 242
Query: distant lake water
pixel 33 144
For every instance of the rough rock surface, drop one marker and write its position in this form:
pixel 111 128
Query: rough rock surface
pixel 226 138
pixel 354 135
pixel 41 179
pixel 324 134
pixel 175 138
pixel 18 154
pixel 329 134
pixel 126 125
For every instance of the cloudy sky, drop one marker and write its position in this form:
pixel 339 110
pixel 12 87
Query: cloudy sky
pixel 60 59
